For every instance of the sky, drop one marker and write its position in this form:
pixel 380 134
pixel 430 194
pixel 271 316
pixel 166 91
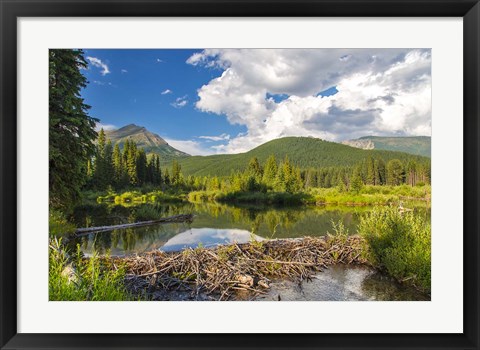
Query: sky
pixel 210 101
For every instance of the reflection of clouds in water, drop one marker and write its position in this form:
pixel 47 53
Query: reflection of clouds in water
pixel 207 237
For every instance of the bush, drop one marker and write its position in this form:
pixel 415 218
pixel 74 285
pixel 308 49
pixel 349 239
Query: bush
pixel 58 225
pixel 400 243
pixel 83 279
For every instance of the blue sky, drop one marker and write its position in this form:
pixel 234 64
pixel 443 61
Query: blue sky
pixel 147 87
pixel 231 100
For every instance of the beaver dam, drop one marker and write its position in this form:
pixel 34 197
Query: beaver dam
pixel 236 271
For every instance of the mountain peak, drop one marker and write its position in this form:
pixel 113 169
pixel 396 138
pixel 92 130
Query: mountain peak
pixel 150 142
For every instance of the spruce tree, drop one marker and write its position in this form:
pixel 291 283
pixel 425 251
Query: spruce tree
pixel 71 129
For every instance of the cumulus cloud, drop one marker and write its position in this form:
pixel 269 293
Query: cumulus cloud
pixel 380 92
pixel 180 102
pixel 222 137
pixel 96 62
pixel 193 148
pixel 100 126
pixel 166 92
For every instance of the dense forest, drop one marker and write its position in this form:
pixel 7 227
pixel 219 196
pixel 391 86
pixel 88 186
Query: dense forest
pixel 130 168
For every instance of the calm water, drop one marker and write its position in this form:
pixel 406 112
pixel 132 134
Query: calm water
pixel 213 224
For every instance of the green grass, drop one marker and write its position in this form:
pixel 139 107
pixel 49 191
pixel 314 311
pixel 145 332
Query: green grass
pixel 400 243
pixel 370 195
pixel 58 225
pixel 81 279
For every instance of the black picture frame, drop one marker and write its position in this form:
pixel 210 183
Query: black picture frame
pixel 11 10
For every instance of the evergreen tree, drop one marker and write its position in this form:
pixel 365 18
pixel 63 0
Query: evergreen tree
pixel 356 182
pixel 395 172
pixel 131 163
pixel 270 171
pixel 71 129
pixel 141 166
pixel 175 179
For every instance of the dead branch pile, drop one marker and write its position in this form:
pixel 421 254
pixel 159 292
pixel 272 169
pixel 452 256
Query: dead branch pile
pixel 226 270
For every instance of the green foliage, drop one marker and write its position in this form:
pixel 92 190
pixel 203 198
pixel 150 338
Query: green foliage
pixel 399 242
pixel 71 130
pixel 303 152
pixel 82 279
pixel 146 212
pixel 58 225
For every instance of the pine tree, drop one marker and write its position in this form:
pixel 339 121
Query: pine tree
pixel 270 171
pixel 71 129
pixel 141 166
pixel 395 174
pixel 356 182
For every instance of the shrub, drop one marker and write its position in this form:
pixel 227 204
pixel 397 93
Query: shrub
pixel 400 243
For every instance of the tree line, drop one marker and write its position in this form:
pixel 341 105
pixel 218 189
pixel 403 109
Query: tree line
pixel 112 167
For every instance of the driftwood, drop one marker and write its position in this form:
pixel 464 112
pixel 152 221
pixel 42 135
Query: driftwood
pixel 175 218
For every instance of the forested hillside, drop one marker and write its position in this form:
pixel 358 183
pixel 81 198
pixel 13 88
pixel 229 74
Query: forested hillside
pixel 303 152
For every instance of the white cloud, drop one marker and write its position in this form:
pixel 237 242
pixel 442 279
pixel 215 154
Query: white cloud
pixel 96 62
pixel 158 60
pixel 193 148
pixel 166 92
pixel 99 126
pixel 222 137
pixel 124 71
pixel 380 92
pixel 180 102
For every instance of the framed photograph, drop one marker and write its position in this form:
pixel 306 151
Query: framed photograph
pixel 239 175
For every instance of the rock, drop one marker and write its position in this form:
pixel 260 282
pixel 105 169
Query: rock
pixel 245 279
pixel 263 284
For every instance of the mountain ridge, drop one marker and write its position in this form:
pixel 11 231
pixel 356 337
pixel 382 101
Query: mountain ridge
pixel 149 141
pixel 418 145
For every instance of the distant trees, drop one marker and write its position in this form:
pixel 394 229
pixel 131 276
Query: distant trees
pixel 111 167
pixel 133 168
pixel 71 129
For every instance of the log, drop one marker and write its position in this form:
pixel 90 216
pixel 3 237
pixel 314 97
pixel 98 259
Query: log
pixel 176 218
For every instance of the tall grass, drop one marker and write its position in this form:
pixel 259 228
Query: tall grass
pixel 370 195
pixel 400 243
pixel 58 225
pixel 79 279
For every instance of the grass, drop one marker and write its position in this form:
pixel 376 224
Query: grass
pixel 81 279
pixel 400 243
pixel 58 225
pixel 370 195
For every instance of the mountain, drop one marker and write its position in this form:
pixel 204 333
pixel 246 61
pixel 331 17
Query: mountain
pixel 304 152
pixel 419 145
pixel 152 143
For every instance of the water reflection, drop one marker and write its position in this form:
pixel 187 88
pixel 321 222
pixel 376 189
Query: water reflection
pixel 213 224
pixel 207 237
